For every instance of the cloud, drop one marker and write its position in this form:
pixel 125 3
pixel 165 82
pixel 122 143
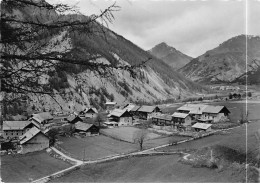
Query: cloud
pixel 192 27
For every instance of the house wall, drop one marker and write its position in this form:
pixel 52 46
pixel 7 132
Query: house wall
pixel 37 143
pixel 8 134
pixel 90 115
pixel 215 117
pixel 125 121
pixel 187 121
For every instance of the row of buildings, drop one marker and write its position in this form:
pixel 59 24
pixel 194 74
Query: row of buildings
pixel 196 116
pixel 185 116
pixel 31 134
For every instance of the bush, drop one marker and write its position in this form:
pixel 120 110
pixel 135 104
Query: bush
pixel 125 87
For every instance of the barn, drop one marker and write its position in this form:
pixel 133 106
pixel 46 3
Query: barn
pixel 33 140
pixel 163 119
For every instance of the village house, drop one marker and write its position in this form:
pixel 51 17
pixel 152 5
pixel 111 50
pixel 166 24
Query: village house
pixel 132 109
pixel 86 129
pixel 194 110
pixel 110 106
pixel 41 119
pixel 181 119
pixel 33 140
pixel 90 112
pixel 73 119
pixel 214 114
pixel 202 127
pixel 162 120
pixel 15 129
pixel 147 112
pixel 122 117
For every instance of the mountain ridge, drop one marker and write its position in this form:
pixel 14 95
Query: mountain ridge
pixel 170 55
pixel 224 63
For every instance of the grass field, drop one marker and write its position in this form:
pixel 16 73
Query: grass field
pixel 126 133
pixel 152 169
pixel 29 167
pixel 95 147
pixel 242 138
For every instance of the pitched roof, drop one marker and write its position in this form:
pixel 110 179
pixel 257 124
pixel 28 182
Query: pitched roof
pixel 213 109
pixel 15 125
pixel 193 108
pixel 83 126
pixel 201 125
pixel 89 109
pixel 135 108
pixel 30 134
pixel 71 117
pixel 163 117
pixel 43 116
pixel 147 109
pixel 129 107
pixel 117 113
pixel 179 115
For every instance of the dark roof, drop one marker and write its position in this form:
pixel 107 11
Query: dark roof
pixel 71 117
pixel 83 126
pixel 91 109
pixel 118 113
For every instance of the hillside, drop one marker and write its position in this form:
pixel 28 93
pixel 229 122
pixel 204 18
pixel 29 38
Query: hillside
pixel 170 55
pixel 76 86
pixel 224 63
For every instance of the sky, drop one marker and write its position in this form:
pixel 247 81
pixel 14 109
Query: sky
pixel 193 27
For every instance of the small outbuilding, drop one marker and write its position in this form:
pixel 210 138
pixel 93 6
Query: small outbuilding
pixel 33 140
pixel 110 106
pixel 202 127
pixel 86 128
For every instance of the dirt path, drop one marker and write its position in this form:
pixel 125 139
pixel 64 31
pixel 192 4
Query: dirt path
pixel 78 162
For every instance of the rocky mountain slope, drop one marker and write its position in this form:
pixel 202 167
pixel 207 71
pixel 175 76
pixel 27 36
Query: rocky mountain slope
pixel 226 62
pixel 76 86
pixel 170 55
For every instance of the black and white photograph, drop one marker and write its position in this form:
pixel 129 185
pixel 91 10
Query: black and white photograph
pixel 129 91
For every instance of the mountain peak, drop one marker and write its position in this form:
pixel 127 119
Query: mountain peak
pixel 170 55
